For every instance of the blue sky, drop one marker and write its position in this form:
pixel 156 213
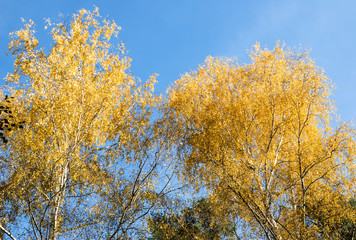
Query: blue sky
pixel 171 37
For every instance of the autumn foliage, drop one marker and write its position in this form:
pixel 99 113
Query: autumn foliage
pixel 99 152
pixel 85 119
pixel 258 137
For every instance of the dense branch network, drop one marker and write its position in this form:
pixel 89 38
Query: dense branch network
pixel 7 122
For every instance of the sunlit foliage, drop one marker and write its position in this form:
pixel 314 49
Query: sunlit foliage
pixel 259 137
pixel 85 154
pixel 82 165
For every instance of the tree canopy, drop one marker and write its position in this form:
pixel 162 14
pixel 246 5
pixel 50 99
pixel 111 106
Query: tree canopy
pixel 259 138
pixel 202 220
pixel 79 167
pixel 88 151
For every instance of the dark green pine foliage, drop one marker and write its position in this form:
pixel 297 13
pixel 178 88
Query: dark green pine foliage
pixel 198 221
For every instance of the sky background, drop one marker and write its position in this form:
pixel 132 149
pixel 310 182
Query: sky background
pixel 171 37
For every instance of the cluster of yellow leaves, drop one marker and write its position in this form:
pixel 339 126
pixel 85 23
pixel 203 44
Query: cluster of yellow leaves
pixel 259 137
pixel 82 112
pixel 79 95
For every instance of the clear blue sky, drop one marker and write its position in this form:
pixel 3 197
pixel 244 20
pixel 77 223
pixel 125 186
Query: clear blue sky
pixel 171 37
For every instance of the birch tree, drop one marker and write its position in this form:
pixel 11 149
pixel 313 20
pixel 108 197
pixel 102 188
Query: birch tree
pixel 85 161
pixel 260 137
